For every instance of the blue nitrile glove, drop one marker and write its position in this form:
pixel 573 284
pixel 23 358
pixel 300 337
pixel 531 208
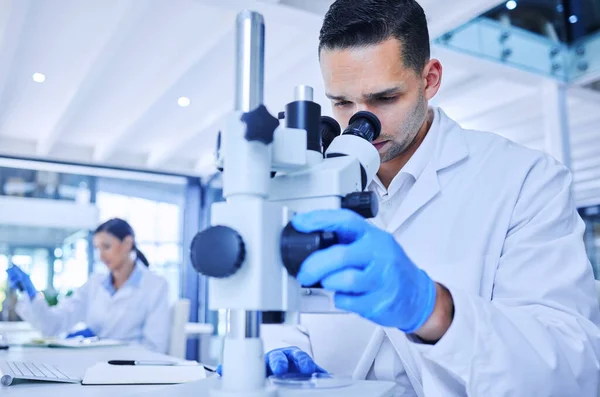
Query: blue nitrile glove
pixel 19 280
pixel 368 271
pixel 84 333
pixel 288 360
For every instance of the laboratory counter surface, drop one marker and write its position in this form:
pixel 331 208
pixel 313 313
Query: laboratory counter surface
pixel 21 327
pixel 75 362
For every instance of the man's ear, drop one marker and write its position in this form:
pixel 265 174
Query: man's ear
pixel 432 78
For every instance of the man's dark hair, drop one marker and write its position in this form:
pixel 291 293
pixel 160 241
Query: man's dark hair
pixel 356 23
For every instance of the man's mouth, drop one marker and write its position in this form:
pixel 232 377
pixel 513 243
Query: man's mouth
pixel 379 145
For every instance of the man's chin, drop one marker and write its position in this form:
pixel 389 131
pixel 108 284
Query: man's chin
pixel 385 157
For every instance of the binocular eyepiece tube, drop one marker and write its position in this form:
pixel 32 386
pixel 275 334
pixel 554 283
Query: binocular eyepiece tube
pixel 362 124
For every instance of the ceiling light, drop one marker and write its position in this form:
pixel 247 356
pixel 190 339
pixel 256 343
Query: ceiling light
pixel 573 19
pixel 38 77
pixel 511 4
pixel 183 101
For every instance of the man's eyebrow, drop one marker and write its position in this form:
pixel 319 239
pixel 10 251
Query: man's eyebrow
pixel 335 97
pixel 384 93
pixel 369 96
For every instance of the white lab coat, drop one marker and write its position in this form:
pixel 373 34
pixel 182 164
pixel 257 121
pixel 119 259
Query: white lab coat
pixel 496 224
pixel 137 313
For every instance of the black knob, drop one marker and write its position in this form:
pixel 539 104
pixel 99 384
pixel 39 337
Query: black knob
pixel 363 203
pixel 217 252
pixel 297 246
pixel 260 125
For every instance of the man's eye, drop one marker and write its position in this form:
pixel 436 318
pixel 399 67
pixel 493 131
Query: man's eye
pixel 387 99
pixel 341 104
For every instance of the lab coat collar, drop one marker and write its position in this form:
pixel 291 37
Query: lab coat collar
pixel 415 165
pixel 134 280
pixel 450 148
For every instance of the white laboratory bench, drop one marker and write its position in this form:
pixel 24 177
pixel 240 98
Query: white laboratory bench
pixel 21 331
pixel 22 326
pixel 75 362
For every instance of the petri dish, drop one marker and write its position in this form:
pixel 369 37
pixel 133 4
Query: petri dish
pixel 310 381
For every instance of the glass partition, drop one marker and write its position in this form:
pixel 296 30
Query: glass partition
pixel 555 38
pixel 510 45
pixel 585 57
pixel 17 182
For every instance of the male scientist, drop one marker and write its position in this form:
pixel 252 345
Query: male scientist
pixel 473 279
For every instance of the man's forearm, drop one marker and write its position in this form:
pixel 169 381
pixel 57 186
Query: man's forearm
pixel 440 320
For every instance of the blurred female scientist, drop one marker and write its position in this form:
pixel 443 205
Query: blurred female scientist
pixel 130 304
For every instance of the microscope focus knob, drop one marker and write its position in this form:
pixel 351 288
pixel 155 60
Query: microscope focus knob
pixel 296 246
pixel 363 203
pixel 260 125
pixel 217 252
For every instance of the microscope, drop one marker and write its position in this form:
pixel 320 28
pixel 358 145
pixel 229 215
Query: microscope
pixel 251 253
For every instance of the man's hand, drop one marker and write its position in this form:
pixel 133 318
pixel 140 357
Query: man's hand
pixel 288 360
pixel 372 276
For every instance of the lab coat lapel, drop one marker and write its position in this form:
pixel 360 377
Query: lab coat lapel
pixel 425 188
pixel 450 149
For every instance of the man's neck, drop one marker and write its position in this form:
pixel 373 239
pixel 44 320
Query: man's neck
pixel 388 170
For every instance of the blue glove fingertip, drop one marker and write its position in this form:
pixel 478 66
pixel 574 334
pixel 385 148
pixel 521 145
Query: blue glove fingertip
pixel 303 278
pixel 304 363
pixel 278 362
pixel 302 223
pixel 219 370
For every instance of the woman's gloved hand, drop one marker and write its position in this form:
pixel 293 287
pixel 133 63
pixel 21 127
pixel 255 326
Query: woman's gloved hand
pixel 85 333
pixel 288 360
pixel 368 271
pixel 19 280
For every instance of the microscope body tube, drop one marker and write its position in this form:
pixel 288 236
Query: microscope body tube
pixel 305 114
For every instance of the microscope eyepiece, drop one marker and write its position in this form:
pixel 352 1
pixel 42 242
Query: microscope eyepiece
pixel 365 125
pixel 330 129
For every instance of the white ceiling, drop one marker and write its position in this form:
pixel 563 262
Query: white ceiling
pixel 115 69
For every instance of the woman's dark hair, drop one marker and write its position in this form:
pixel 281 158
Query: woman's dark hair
pixel 121 229
pixel 356 23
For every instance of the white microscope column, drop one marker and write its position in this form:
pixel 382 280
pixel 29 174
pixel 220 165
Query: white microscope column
pixel 246 175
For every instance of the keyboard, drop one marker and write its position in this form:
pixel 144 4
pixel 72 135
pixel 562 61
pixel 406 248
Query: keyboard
pixel 17 370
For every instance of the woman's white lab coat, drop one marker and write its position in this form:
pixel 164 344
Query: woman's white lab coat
pixel 496 224
pixel 138 312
